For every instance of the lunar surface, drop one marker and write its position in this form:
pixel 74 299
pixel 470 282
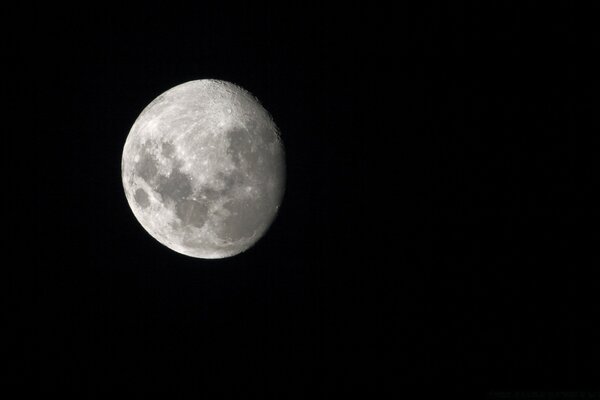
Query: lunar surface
pixel 203 169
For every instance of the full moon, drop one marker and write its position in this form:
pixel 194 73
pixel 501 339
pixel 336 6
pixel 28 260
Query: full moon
pixel 203 169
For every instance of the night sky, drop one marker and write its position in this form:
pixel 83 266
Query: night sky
pixel 437 230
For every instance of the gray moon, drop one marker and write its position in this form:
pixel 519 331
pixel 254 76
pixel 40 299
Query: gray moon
pixel 203 169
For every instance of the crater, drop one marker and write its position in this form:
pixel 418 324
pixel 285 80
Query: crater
pixel 141 197
pixel 192 212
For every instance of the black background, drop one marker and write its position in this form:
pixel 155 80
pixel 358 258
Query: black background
pixel 436 231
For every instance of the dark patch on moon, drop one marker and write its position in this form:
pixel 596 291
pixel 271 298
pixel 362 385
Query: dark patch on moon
pixel 175 186
pixel 245 218
pixel 209 194
pixel 251 125
pixel 267 135
pixel 240 145
pixel 141 197
pixel 192 212
pixel 167 149
pixel 251 158
pixel 235 178
pixel 272 185
pixel 147 167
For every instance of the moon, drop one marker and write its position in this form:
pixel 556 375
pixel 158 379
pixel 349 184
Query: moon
pixel 203 169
